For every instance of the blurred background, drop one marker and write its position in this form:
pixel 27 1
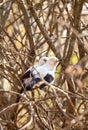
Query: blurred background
pixel 30 29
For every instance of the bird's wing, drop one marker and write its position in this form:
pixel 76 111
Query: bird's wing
pixel 49 78
pixel 26 75
pixel 33 82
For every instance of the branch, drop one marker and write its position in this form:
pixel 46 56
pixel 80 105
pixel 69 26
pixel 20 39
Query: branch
pixel 42 29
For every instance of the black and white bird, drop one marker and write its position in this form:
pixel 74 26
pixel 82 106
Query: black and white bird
pixel 43 70
pixel 29 71
pixel 29 74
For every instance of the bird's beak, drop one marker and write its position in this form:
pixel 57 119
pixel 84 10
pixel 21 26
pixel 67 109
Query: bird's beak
pixel 59 61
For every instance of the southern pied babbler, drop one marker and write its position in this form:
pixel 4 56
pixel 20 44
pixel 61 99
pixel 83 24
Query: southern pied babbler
pixel 45 71
pixel 28 75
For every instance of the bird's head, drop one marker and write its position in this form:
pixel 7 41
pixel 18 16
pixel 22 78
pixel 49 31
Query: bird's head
pixel 52 62
pixel 43 60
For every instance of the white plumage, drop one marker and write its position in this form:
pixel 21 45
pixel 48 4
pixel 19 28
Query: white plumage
pixel 44 70
pixel 42 61
pixel 30 70
pixel 48 68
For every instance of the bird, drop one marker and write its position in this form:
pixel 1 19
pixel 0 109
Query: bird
pixel 28 75
pixel 30 72
pixel 44 71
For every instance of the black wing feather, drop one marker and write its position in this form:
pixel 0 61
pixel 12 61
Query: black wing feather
pixel 32 83
pixel 49 78
pixel 26 75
